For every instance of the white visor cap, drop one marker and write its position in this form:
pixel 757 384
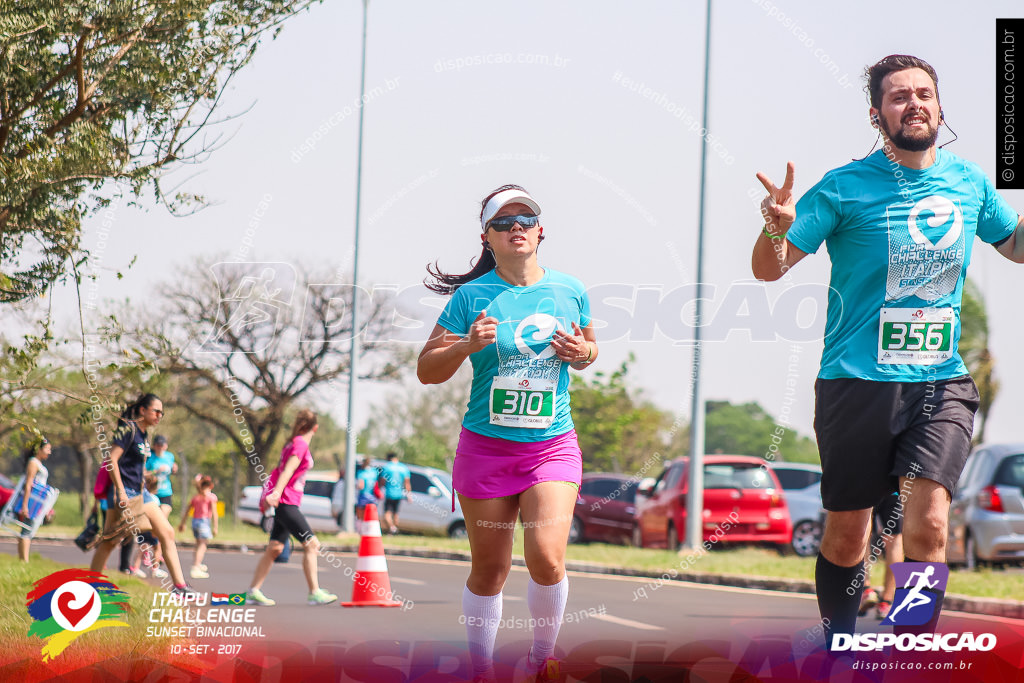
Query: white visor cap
pixel 499 200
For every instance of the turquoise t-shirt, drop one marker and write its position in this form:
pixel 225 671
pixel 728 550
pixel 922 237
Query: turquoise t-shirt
pixel 394 474
pixel 154 463
pixel 520 388
pixel 369 476
pixel 900 241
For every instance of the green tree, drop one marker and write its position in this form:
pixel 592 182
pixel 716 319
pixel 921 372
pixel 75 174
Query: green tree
pixel 974 349
pixel 99 90
pixel 618 430
pixel 747 429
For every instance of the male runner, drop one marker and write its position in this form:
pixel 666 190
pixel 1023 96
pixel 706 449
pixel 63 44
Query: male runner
pixel 396 477
pixel 894 405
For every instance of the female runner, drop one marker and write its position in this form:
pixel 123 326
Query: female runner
pixel 522 327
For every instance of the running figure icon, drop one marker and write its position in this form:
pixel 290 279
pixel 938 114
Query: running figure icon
pixel 914 598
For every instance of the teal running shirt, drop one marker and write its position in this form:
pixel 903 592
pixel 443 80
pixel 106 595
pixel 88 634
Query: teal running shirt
pixel 520 388
pixel 900 241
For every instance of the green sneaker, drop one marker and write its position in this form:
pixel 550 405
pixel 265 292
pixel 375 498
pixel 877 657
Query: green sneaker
pixel 256 595
pixel 321 597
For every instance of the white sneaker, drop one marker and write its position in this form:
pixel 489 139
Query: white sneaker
pixel 160 573
pixel 198 573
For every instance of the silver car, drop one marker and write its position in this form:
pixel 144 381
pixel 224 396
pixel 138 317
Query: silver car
pixel 986 517
pixel 428 507
pixel 801 486
pixel 315 505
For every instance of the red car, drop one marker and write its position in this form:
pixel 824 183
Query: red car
pixel 6 489
pixel 743 503
pixel 604 509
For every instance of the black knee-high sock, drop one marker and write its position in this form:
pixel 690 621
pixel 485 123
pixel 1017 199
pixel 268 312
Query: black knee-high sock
pixel 127 553
pixel 930 625
pixel 834 585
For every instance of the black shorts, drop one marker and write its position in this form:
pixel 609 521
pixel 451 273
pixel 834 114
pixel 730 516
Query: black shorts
pixel 391 505
pixel 888 515
pixel 872 433
pixel 288 520
pixel 165 500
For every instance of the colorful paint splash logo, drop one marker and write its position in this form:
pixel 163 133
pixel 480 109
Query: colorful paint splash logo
pixel 68 603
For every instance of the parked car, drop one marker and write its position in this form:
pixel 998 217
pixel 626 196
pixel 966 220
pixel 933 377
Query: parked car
pixel 801 486
pixel 6 490
pixel 428 508
pixel 741 498
pixel 604 509
pixel 986 516
pixel 315 505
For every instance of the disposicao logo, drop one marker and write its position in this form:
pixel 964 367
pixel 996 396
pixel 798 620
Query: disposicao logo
pixel 915 601
pixel 68 603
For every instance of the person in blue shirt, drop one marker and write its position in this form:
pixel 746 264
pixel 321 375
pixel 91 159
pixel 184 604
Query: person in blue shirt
pixel 522 327
pixel 366 482
pixel 397 485
pixel 161 463
pixel 894 404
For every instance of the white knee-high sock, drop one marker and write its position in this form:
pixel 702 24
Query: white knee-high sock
pixel 483 614
pixel 547 606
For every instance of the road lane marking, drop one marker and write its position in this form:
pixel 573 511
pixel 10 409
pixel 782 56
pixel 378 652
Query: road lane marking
pixel 626 622
pixel 414 582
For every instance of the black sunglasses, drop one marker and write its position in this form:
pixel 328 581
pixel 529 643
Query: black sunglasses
pixel 505 223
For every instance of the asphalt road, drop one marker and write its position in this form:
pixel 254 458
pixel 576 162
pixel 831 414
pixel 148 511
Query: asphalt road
pixel 616 623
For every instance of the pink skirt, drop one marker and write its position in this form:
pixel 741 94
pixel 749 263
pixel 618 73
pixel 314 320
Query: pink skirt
pixel 486 467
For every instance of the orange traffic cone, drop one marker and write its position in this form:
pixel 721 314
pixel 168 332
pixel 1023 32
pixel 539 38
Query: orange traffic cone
pixel 371 586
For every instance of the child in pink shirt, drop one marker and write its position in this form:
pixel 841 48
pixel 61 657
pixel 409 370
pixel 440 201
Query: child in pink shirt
pixel 204 522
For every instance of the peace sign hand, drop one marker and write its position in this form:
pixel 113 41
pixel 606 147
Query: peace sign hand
pixel 779 207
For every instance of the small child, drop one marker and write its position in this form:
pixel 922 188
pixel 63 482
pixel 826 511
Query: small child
pixel 204 522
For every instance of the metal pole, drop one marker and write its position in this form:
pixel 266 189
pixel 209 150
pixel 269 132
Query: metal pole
pixel 695 494
pixel 350 443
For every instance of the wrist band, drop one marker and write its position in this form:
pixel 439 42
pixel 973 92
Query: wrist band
pixel 772 235
pixel 590 354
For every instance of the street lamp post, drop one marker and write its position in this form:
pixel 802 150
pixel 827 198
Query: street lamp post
pixel 348 515
pixel 695 494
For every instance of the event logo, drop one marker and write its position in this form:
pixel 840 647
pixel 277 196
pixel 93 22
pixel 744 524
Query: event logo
pixel 941 209
pixel 68 603
pixel 533 335
pixel 927 248
pixel 917 599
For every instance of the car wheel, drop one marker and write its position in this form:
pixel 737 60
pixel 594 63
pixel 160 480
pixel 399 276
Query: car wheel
pixel 971 554
pixel 576 530
pixel 807 538
pixel 638 537
pixel 458 530
pixel 673 539
pixel 267 523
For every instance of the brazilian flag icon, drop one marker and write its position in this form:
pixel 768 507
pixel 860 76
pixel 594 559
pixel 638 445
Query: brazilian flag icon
pixel 237 599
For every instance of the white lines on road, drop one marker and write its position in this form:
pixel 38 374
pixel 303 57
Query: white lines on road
pixel 413 582
pixel 627 622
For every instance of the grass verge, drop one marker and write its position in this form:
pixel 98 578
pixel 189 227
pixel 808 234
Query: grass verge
pixel 112 645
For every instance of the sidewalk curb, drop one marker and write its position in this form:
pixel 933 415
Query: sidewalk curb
pixel 995 607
